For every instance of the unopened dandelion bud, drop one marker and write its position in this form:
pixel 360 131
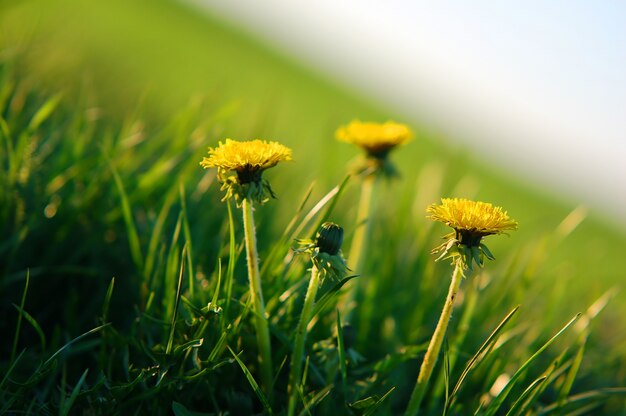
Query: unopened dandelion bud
pixel 330 238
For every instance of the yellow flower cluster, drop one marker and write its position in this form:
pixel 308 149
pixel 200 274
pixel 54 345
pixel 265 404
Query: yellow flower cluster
pixel 248 159
pixel 473 216
pixel 471 221
pixel 256 155
pixel 375 138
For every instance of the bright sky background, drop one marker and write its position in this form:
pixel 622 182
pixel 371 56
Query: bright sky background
pixel 538 87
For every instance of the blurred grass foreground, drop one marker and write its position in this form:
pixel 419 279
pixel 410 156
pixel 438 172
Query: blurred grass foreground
pixel 123 279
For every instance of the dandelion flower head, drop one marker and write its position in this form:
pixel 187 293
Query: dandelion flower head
pixel 377 139
pixel 471 217
pixel 248 159
pixel 471 221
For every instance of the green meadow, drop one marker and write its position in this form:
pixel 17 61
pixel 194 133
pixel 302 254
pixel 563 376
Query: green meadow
pixel 123 279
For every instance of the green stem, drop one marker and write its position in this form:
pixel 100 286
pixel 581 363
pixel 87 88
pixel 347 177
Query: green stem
pixel 298 350
pixel 359 240
pixel 256 295
pixel 432 353
pixel 363 222
pixel 469 305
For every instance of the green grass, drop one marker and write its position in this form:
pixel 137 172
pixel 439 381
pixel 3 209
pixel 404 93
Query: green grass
pixel 123 282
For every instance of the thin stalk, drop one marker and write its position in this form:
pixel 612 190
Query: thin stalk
pixel 469 303
pixel 298 350
pixel 256 296
pixel 432 353
pixel 359 240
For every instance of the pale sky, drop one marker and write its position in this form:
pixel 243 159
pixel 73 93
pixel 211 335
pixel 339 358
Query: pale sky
pixel 538 87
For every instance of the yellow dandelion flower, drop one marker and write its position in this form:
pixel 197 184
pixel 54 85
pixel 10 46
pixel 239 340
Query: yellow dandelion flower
pixel 471 217
pixel 377 139
pixel 471 221
pixel 248 159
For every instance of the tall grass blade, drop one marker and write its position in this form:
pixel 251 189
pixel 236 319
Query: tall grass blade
pixel 177 302
pixel 315 400
pixel 34 324
pixel 218 285
pixel 475 359
pixel 520 406
pixel 69 402
pixel 341 351
pixel 582 398
pixel 18 325
pixel 253 383
pixel 8 372
pixel 232 259
pixel 157 230
pixel 107 300
pixel 44 112
pixel 371 411
pixel 70 343
pixel 316 209
pixel 131 228
pixel 188 243
pixel 328 296
pixel 333 202
pixel 497 402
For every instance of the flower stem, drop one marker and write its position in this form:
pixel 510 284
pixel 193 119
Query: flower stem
pixel 432 353
pixel 359 240
pixel 363 222
pixel 256 295
pixel 298 350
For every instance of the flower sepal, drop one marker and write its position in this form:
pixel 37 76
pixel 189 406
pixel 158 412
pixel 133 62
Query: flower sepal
pixel 258 192
pixel 468 255
pixel 374 166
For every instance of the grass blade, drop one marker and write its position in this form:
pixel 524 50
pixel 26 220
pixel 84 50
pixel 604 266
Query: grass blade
pixel 10 370
pixel 519 407
pixel 232 259
pixel 156 233
pixel 131 228
pixel 328 296
pixel 342 352
pixel 370 411
pixel 44 112
pixel 34 324
pixel 107 300
pixel 474 360
pixel 495 405
pixel 170 340
pixel 317 208
pixel 187 234
pixel 333 202
pixel 67 404
pixel 315 400
pixel 253 383
pixel 584 397
pixel 18 326
pixel 70 343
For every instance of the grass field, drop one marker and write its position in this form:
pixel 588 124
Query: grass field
pixel 107 110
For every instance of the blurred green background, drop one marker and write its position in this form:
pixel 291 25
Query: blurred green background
pixel 161 55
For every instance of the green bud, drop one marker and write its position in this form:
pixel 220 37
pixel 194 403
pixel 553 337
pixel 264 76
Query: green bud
pixel 330 238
